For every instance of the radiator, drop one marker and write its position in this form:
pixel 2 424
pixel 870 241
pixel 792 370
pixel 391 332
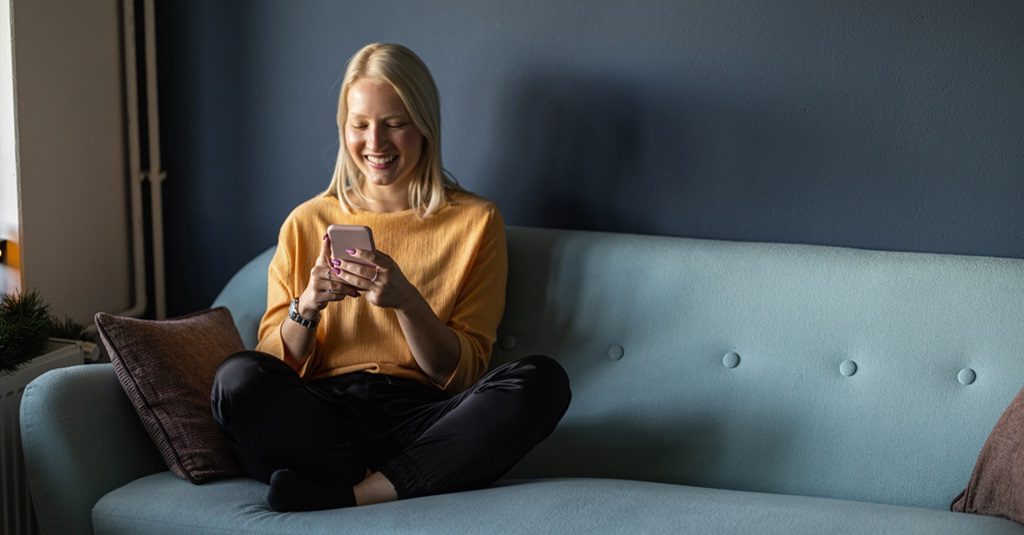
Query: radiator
pixel 16 516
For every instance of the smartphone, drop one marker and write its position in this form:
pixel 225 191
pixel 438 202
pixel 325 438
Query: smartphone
pixel 350 237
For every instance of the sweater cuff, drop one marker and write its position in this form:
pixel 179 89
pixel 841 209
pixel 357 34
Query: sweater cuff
pixel 274 345
pixel 455 380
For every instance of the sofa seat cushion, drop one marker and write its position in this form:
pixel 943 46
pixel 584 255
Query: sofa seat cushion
pixel 162 503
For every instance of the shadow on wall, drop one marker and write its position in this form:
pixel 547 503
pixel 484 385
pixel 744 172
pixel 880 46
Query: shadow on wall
pixel 708 158
pixel 568 140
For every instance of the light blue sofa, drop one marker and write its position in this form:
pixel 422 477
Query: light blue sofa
pixel 718 387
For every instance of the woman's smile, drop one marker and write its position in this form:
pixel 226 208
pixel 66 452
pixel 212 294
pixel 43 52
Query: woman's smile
pixel 381 162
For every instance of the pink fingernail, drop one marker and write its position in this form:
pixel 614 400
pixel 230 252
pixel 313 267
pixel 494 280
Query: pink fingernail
pixel 350 251
pixel 337 271
pixel 336 262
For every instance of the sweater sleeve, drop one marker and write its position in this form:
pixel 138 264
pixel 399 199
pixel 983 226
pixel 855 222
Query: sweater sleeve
pixel 282 286
pixel 480 305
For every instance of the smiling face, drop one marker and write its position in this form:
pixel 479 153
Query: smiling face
pixel 381 138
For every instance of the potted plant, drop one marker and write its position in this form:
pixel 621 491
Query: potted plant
pixel 33 341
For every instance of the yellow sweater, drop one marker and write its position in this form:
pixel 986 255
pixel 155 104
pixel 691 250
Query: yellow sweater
pixel 456 258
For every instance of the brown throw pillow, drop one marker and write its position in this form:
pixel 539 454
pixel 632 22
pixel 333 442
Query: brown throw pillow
pixel 996 487
pixel 167 368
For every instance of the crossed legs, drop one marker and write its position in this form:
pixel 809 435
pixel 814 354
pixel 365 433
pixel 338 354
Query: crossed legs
pixel 364 438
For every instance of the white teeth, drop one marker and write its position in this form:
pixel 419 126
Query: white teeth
pixel 381 161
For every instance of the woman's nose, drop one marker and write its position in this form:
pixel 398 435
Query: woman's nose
pixel 376 137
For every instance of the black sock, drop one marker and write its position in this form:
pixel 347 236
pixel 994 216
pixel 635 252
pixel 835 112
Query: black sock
pixel 292 491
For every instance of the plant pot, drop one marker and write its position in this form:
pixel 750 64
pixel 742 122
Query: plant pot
pixel 59 353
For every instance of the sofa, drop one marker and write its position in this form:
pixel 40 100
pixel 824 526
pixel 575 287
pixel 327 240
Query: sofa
pixel 718 387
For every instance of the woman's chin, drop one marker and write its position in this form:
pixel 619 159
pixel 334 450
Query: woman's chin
pixel 383 181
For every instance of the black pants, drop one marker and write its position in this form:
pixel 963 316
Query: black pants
pixel 423 441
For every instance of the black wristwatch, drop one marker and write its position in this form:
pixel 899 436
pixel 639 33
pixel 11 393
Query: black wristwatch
pixel 293 314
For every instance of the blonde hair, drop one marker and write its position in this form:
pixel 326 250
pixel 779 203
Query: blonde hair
pixel 409 76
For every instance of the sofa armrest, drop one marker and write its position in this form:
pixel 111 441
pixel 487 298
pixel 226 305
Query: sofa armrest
pixel 82 439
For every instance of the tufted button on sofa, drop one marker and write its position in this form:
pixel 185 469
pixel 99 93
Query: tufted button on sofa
pixel 718 387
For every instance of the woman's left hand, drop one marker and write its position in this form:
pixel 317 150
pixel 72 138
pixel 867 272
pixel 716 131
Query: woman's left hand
pixel 382 283
pixel 434 346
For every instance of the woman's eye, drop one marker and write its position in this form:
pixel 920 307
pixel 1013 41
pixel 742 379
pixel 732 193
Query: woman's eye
pixel 396 125
pixel 359 126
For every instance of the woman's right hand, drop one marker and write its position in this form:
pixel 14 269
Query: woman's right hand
pixel 323 287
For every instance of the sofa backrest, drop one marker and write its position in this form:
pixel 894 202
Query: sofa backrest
pixel 795 369
pixel 245 295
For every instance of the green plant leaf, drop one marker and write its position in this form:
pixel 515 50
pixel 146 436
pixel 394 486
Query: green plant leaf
pixel 24 329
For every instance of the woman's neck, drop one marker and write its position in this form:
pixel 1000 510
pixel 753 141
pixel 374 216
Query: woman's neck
pixel 385 199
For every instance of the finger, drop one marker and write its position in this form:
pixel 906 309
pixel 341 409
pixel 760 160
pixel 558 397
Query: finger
pixel 322 278
pixel 380 263
pixel 324 273
pixel 324 270
pixel 335 291
pixel 359 270
pixel 322 298
pixel 318 277
pixel 330 284
pixel 356 281
pixel 325 250
pixel 367 255
pixel 340 288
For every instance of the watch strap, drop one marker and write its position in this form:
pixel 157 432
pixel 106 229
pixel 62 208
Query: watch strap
pixel 293 314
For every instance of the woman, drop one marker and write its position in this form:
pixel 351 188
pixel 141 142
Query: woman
pixel 368 382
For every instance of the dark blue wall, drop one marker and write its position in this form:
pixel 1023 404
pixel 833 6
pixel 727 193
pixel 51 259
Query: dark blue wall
pixel 885 125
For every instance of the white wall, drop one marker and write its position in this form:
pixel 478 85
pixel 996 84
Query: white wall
pixel 10 275
pixel 75 244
